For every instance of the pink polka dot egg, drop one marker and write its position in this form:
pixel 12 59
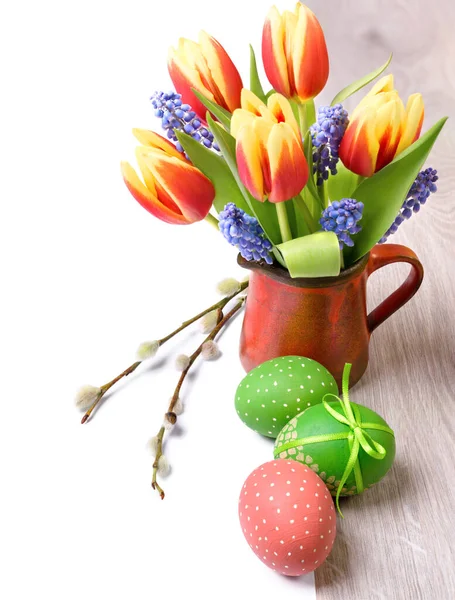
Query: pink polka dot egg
pixel 287 516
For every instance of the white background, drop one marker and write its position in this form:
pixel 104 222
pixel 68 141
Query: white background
pixel 87 274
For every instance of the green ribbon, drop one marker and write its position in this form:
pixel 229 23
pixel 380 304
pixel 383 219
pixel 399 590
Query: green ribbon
pixel 357 436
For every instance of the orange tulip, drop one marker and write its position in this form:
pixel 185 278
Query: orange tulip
pixel 277 110
pixel 270 160
pixel 173 189
pixel 294 53
pixel 206 67
pixel 380 128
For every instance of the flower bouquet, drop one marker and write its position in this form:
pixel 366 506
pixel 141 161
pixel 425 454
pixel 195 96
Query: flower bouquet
pixel 309 190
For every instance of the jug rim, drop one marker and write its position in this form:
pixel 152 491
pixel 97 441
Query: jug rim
pixel 280 274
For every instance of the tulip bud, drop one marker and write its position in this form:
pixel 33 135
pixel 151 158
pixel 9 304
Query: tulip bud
pixel 173 190
pixel 206 67
pixel 294 53
pixel 380 128
pixel 270 160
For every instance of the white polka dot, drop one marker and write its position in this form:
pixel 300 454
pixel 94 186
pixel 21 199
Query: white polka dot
pixel 292 521
pixel 271 498
pixel 278 510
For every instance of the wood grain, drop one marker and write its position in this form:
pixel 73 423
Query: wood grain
pixel 396 541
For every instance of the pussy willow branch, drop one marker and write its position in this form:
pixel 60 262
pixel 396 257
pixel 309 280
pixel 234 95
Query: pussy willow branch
pixel 170 415
pixel 107 386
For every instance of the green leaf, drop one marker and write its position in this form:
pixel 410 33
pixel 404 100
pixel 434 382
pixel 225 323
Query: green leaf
pixel 215 168
pixel 301 214
pixel 264 212
pixel 343 184
pixel 219 112
pixel 255 82
pixel 315 255
pixel 360 83
pixel 309 209
pixel 383 193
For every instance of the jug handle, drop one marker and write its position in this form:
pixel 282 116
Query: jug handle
pixel 382 255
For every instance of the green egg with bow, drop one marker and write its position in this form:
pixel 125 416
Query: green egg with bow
pixel 348 445
pixel 278 389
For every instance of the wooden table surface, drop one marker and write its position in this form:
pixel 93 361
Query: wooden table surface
pixel 396 541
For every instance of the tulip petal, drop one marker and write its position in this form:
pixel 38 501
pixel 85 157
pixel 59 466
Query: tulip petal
pixel 225 81
pixel 147 199
pixel 359 147
pixel 310 59
pixel 415 112
pixel 184 77
pixel 254 105
pixel 183 184
pixel 273 52
pixel 240 118
pixel 389 118
pixel 143 155
pixel 385 84
pixel 154 140
pixel 282 111
pixel 248 154
pixel 288 165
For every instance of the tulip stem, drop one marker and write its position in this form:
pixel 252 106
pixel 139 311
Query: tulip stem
pixel 323 194
pixel 307 116
pixel 360 179
pixel 283 221
pixel 212 220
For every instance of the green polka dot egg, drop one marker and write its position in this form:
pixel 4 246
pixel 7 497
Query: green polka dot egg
pixel 280 389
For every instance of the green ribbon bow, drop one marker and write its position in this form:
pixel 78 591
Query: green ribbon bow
pixel 357 436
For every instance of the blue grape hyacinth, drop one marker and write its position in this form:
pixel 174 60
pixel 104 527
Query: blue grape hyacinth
pixel 423 186
pixel 326 135
pixel 342 218
pixel 175 115
pixel 244 232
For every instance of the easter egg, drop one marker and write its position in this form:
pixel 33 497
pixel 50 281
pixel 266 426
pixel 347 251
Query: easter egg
pixel 317 439
pixel 278 389
pixel 287 517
